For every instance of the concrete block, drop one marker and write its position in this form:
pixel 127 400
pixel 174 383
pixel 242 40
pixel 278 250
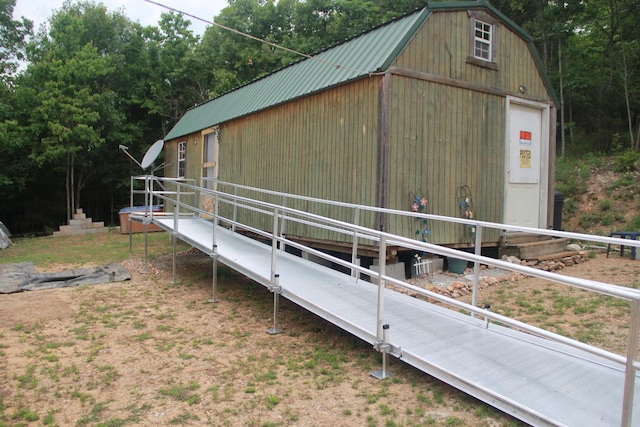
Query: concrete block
pixel 395 270
pixel 79 222
pixel 93 225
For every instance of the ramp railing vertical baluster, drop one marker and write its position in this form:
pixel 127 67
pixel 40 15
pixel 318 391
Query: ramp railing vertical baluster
pixel 275 278
pixel 382 264
pixel 274 244
pixel 354 247
pixel 283 223
pixel 630 370
pixel 476 268
pixel 235 208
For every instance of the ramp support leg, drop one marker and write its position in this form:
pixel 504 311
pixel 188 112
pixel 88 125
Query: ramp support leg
pixel 276 289
pixel 174 242
pixel 214 259
pixel 146 247
pixel 384 348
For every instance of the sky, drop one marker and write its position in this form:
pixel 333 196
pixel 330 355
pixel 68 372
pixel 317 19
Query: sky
pixel 39 11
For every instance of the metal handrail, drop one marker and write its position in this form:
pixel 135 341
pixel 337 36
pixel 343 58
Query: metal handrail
pixel 281 213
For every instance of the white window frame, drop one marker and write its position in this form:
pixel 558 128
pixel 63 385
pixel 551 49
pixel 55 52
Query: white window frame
pixel 483 31
pixel 482 40
pixel 182 159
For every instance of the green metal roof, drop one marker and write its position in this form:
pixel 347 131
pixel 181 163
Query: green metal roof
pixel 358 57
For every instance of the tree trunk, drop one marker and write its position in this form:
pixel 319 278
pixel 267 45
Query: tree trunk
pixel 67 183
pixel 625 74
pixel 562 136
pixel 73 182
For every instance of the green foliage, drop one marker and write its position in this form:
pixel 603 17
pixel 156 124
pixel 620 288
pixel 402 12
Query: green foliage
pixel 182 392
pixel 634 223
pixel 605 205
pixel 25 414
pixel 571 177
pixel 627 162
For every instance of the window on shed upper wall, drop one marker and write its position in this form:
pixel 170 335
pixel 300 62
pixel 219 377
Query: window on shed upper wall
pixel 482 40
pixel 182 158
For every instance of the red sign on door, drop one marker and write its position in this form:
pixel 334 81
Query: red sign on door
pixel 525 137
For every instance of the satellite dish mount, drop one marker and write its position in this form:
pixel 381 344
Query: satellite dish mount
pixel 150 156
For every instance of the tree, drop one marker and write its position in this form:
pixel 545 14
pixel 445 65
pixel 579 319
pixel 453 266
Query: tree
pixel 176 75
pixel 13 36
pixel 73 105
pixel 13 166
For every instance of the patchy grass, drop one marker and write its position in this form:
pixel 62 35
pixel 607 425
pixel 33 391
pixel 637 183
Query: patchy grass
pixel 149 352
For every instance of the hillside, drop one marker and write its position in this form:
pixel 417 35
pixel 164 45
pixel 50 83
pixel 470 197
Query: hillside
pixel 601 194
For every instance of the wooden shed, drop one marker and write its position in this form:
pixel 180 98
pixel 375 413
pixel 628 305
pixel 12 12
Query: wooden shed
pixel 448 103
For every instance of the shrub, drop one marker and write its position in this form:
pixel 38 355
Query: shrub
pixel 634 223
pixel 571 177
pixel 627 162
pixel 605 205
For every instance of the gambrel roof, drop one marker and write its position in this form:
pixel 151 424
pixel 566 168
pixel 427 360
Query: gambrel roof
pixel 366 54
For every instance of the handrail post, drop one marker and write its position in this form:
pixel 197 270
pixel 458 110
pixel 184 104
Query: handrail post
pixel 274 244
pixel 382 261
pixel 178 189
pixel 235 208
pixel 476 268
pixel 354 246
pixel 283 223
pixel 630 371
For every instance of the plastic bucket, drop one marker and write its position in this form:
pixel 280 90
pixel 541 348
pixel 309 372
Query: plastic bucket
pixel 456 265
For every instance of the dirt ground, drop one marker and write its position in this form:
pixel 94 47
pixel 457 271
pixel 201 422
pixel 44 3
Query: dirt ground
pixel 148 352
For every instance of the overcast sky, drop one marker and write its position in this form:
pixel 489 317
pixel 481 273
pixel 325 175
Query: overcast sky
pixel 39 11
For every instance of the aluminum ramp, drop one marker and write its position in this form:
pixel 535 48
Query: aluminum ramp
pixel 536 380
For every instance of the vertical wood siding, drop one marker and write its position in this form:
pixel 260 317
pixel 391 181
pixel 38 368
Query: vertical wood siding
pixel 322 146
pixel 441 47
pixel 443 138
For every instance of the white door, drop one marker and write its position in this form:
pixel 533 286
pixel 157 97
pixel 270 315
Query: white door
pixel 525 198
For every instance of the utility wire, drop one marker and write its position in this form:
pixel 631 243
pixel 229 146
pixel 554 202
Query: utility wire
pixel 233 30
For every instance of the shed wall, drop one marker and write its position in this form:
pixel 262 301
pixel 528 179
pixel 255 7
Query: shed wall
pixel 323 146
pixel 441 48
pixel 443 138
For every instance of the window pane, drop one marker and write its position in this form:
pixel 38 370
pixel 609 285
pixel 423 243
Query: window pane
pixel 482 44
pixel 182 155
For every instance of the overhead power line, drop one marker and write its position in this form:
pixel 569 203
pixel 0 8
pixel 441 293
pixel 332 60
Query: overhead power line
pixel 233 30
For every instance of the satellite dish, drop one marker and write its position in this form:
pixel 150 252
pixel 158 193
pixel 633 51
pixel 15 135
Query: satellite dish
pixel 152 153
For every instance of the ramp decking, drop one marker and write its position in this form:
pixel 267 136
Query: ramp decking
pixel 534 379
